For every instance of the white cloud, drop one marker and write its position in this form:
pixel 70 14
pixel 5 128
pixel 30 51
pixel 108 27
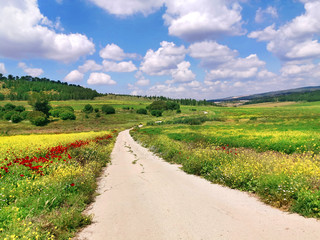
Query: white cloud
pixel 100 79
pixel 203 19
pixel 126 8
pixel 238 68
pixel 2 68
pixel 24 33
pixel 118 67
pixel 183 73
pixel 142 81
pixel 164 60
pixel 211 53
pixel 74 76
pixel 114 52
pixel 90 65
pixel 33 72
pixel 261 15
pixel 296 40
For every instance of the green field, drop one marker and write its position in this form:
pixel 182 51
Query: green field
pixel 270 150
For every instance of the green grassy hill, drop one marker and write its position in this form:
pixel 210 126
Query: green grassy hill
pixel 19 88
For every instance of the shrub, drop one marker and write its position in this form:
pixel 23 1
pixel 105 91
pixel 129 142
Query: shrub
pixel 24 115
pixel 98 115
pixel 7 115
pixel 158 105
pixel 178 111
pixel 40 102
pixel 96 110
pixel 16 118
pixel 67 115
pixel 173 105
pixel 142 111
pixel 156 113
pixel 88 108
pixel 20 108
pixel 54 112
pixel 107 109
pixel 9 107
pixel 37 118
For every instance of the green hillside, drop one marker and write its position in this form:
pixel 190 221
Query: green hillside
pixel 19 88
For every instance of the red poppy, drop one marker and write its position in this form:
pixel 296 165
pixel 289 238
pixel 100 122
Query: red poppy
pixel 72 184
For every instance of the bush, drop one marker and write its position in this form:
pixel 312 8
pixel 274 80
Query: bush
pixel 158 105
pixel 56 112
pixel 88 108
pixel 16 118
pixel 37 118
pixel 107 109
pixel 178 111
pixel 156 113
pixel 142 111
pixel 24 115
pixel 40 102
pixel 20 108
pixel 98 115
pixel 7 115
pixel 96 110
pixel 67 115
pixel 9 107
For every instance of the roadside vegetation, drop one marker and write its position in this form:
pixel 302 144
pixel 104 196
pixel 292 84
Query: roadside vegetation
pixel 52 151
pixel 47 181
pixel 271 152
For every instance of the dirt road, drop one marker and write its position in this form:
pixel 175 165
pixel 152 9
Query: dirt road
pixel 144 198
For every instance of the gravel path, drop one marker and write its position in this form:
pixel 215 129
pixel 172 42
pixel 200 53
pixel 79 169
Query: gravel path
pixel 144 198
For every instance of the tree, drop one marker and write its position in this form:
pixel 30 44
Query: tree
pixel 108 109
pixel 40 102
pixel 88 108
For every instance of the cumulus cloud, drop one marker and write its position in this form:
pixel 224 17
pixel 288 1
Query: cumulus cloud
pixel 126 8
pixel 114 52
pixel 74 76
pixel 262 14
pixel 183 73
pixel 118 67
pixel 142 81
pixel 33 72
pixel 164 60
pixel 296 40
pixel 211 53
pixel 96 78
pixel 90 65
pixel 238 68
pixel 203 19
pixel 2 68
pixel 26 33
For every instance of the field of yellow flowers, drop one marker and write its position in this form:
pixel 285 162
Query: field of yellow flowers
pixel 274 155
pixel 46 182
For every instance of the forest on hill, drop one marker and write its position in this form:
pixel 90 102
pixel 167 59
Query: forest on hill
pixel 309 96
pixel 19 88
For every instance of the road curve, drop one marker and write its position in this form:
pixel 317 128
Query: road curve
pixel 144 198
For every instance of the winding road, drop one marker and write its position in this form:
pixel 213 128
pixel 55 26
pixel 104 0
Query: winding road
pixel 142 197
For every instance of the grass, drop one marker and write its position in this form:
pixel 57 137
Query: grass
pixel 269 150
pixel 272 152
pixel 45 188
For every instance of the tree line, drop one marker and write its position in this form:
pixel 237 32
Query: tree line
pixel 19 88
pixel 311 96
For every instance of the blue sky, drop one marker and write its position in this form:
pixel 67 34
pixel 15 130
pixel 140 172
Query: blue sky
pixel 201 49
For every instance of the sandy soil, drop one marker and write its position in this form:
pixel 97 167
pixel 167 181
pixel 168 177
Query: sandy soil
pixel 143 197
